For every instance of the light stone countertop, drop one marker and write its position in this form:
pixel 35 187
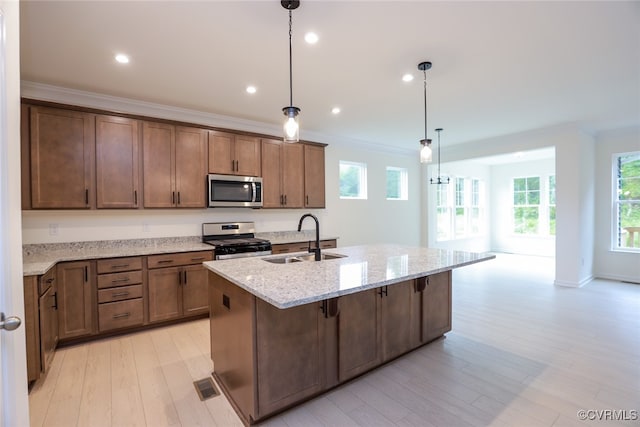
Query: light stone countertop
pixel 37 259
pixel 364 267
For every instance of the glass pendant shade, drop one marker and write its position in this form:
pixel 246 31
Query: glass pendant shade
pixel 426 154
pixel 291 125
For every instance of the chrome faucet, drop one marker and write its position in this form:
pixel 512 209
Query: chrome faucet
pixel 316 251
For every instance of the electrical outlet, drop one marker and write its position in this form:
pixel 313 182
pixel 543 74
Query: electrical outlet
pixel 53 229
pixel 145 227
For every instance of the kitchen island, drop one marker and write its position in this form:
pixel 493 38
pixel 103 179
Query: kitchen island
pixel 284 329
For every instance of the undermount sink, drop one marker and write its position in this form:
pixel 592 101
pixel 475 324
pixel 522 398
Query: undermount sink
pixel 300 258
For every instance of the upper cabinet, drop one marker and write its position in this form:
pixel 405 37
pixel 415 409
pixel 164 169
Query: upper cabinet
pixel 117 162
pixel 61 159
pixel 282 174
pixel 314 176
pixel 174 166
pixel 234 154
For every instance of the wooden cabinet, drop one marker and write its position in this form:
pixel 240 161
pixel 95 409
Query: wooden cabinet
pixel 234 154
pixel 76 299
pixel 358 334
pixel 61 157
pixel 290 365
pixel 120 293
pixel 285 248
pixel 177 285
pixel 398 320
pixel 436 306
pixel 314 188
pixel 48 311
pixel 282 174
pixel 174 166
pixel 117 162
pixel 32 327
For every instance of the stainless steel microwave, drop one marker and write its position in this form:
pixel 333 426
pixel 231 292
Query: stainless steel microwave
pixel 230 191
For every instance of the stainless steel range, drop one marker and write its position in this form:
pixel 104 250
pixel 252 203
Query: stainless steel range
pixel 234 240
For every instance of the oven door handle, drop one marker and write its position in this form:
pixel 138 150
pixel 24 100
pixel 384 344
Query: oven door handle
pixel 243 255
pixel 253 188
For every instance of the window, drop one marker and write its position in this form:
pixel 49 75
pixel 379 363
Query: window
pixel 526 205
pixel 353 180
pixel 460 209
pixel 397 184
pixel 627 201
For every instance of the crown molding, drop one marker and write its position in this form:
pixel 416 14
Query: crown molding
pixel 63 95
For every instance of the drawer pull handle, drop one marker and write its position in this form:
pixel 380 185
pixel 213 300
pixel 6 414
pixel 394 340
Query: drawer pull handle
pixel 165 261
pixel 121 316
pixel 120 266
pixel 126 279
pixel 50 280
pixel 119 294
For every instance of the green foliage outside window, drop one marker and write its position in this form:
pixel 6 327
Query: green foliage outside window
pixel 526 198
pixel 350 176
pixel 628 195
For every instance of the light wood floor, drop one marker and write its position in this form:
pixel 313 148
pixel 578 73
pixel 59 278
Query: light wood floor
pixel 522 352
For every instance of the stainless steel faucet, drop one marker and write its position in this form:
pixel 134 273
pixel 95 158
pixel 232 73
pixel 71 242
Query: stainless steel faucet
pixel 316 251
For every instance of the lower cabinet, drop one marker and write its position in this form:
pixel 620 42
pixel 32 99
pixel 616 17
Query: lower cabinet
pixel 267 359
pixel 120 294
pixel 180 290
pixel 76 299
pixel 285 248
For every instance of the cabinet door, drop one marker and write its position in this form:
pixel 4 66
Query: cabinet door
pixel 221 158
pixel 48 326
pixel 31 327
pixel 314 177
pixel 158 165
pixel 62 150
pixel 290 363
pixel 293 175
pixel 397 319
pixel 247 155
pixel 358 334
pixel 117 162
pixel 272 196
pixel 76 301
pixel 436 306
pixel 165 294
pixel 191 167
pixel 195 292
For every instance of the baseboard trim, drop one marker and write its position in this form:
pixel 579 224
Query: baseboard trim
pixel 568 284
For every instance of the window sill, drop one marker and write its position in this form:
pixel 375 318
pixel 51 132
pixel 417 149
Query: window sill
pixel 626 250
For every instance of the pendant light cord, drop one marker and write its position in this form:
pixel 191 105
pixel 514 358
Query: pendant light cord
pixel 426 141
pixel 290 63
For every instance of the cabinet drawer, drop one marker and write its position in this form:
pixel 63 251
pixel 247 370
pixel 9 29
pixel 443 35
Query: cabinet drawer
pixel 286 248
pixel 119 294
pixel 114 315
pixel 113 265
pixel 171 260
pixel 328 244
pixel 119 279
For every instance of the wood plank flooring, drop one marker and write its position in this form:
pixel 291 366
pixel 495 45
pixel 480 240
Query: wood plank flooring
pixel 522 352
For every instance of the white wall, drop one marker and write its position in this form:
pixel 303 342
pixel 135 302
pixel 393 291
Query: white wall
pixel 352 221
pixel 610 264
pixel 502 239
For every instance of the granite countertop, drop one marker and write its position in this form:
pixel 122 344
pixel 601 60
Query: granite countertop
pixel 37 259
pixel 364 267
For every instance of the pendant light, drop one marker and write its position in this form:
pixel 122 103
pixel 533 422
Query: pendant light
pixel 291 124
pixel 440 179
pixel 426 155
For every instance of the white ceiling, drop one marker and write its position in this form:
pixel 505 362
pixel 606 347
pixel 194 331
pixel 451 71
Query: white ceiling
pixel 498 67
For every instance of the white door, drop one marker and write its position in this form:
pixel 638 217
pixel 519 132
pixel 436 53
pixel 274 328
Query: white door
pixel 14 409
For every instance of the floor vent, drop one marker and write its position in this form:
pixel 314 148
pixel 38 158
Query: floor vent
pixel 205 388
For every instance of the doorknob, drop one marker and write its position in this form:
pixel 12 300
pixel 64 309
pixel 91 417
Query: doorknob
pixel 10 323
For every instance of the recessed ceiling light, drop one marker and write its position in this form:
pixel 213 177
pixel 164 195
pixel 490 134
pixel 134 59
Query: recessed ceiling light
pixel 407 77
pixel 335 110
pixel 251 89
pixel 311 37
pixel 122 58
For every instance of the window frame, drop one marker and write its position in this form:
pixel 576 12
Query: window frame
pixel 362 179
pixel 617 243
pixel 458 194
pixel 403 183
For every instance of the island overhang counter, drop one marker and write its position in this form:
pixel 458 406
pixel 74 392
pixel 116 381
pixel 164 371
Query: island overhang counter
pixel 282 333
